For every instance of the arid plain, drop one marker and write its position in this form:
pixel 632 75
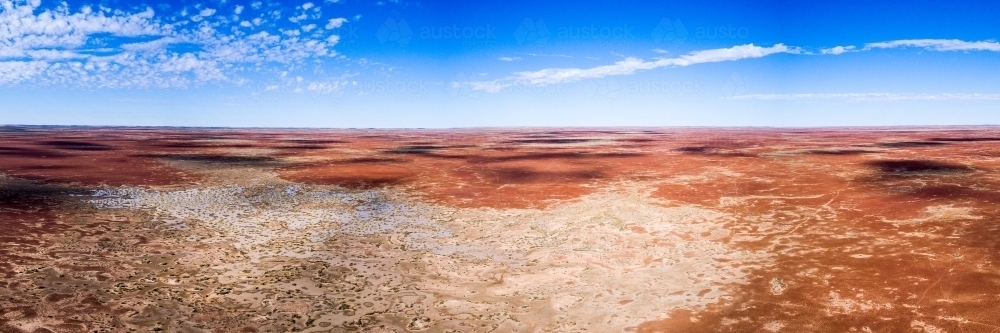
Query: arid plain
pixel 500 230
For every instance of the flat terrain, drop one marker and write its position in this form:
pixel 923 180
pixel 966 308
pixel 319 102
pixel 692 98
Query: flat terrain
pixel 541 230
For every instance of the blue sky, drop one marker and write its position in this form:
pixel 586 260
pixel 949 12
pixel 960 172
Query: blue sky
pixel 351 63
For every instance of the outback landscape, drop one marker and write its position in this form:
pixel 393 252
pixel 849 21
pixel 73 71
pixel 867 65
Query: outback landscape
pixel 500 230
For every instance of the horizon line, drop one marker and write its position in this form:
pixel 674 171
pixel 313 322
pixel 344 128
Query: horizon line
pixel 872 127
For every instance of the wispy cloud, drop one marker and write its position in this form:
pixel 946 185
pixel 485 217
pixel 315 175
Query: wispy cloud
pixel 942 45
pixel 510 58
pixel 870 97
pixel 938 45
pixel 628 66
pixel 547 55
pixel 839 50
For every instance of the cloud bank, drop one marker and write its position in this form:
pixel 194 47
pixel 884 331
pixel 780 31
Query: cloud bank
pixel 100 47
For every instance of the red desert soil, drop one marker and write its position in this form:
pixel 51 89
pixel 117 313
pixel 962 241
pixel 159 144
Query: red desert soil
pixel 89 156
pixel 873 230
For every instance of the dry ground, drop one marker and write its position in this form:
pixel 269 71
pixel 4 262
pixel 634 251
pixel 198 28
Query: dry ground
pixel 546 230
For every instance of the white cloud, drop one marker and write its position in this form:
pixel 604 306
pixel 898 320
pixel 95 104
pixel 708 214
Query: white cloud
pixel 509 58
pixel 307 5
pixel 928 44
pixel 661 51
pixel 13 72
pixel 325 87
pixel 629 66
pixel 838 50
pixel 335 23
pixel 87 48
pixel 150 46
pixel 21 30
pixel 296 19
pixel 238 10
pixel 54 55
pixel 547 55
pixel 204 13
pixel 869 97
pixel 938 45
